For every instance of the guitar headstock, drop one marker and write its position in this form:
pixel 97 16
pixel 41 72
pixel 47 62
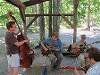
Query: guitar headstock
pixel 10 13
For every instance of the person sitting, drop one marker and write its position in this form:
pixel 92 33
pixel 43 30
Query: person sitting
pixel 55 42
pixel 82 43
pixel 93 56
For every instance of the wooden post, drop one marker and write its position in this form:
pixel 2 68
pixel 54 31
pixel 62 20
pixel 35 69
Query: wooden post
pixel 88 16
pixel 75 3
pixel 42 23
pixel 50 18
pixel 22 14
pixel 56 10
pixel 25 29
pixel 33 20
pixel 28 3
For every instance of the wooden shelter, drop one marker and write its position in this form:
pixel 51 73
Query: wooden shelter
pixel 17 3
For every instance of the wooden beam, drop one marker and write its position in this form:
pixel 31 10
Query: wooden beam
pixel 32 21
pixel 67 20
pixel 16 3
pixel 22 14
pixel 76 3
pixel 31 15
pixel 34 2
pixel 21 7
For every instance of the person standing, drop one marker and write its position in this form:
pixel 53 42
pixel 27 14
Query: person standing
pixel 12 48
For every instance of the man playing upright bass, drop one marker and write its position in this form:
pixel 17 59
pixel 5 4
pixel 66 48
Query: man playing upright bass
pixel 12 48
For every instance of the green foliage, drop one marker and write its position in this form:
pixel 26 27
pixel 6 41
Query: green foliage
pixel 4 8
pixel 33 29
pixel 94 10
pixel 1 0
pixel 65 7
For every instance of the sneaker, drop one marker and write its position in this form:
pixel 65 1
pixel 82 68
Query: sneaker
pixel 24 69
pixel 19 74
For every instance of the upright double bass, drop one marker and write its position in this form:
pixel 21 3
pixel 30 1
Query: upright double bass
pixel 26 54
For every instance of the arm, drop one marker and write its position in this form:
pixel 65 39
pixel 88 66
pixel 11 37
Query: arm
pixel 60 44
pixel 77 72
pixel 44 47
pixel 20 43
pixel 13 40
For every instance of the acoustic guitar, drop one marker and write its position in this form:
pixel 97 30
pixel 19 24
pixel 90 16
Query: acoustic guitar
pixel 51 49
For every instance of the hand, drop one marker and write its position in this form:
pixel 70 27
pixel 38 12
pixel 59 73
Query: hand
pixel 76 71
pixel 46 49
pixel 26 41
pixel 23 6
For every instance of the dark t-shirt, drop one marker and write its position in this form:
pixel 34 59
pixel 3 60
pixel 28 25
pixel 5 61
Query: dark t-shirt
pixel 10 41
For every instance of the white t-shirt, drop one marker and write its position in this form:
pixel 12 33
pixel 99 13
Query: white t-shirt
pixel 94 70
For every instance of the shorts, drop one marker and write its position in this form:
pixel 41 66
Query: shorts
pixel 13 60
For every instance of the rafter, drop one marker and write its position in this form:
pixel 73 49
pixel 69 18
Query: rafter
pixel 34 2
pixel 31 15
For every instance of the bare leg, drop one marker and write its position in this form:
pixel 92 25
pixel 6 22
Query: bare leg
pixel 15 71
pixel 10 70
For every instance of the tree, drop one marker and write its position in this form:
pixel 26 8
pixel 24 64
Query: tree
pixel 50 18
pixel 88 15
pixel 41 23
pixel 56 10
pixel 75 3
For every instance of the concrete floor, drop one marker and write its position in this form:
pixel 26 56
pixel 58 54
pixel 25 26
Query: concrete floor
pixel 39 71
pixel 37 67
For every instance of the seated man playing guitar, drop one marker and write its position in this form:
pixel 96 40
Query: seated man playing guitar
pixel 56 44
pixel 82 43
